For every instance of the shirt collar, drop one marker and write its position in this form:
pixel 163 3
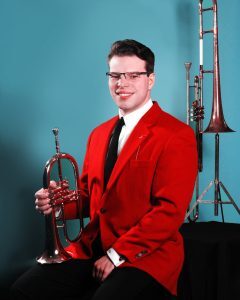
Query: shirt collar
pixel 132 118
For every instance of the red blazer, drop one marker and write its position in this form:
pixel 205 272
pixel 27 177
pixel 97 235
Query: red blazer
pixel 146 198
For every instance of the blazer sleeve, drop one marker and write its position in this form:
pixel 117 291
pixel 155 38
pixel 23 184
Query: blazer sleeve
pixel 172 189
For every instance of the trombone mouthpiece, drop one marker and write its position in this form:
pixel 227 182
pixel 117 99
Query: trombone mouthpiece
pixel 55 131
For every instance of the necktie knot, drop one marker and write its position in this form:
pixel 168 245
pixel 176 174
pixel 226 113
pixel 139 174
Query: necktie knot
pixel 118 127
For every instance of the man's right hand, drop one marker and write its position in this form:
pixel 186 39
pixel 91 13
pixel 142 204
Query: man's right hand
pixel 42 202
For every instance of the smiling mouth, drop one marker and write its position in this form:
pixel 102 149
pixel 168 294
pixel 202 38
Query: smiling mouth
pixel 124 94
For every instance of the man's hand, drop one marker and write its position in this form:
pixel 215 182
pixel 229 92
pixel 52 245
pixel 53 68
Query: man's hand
pixel 102 268
pixel 42 200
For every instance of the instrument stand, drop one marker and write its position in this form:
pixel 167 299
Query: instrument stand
pixel 217 192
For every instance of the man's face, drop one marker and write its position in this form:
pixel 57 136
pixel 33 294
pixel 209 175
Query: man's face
pixel 129 95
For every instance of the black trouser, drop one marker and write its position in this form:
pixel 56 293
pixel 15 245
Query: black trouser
pixel 73 280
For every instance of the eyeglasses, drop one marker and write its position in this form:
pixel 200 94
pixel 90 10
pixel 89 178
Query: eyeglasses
pixel 130 76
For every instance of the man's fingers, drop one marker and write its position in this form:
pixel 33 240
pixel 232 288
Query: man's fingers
pixel 97 271
pixel 42 194
pixel 102 268
pixel 99 274
pixel 43 206
pixel 45 211
pixel 42 202
pixel 52 184
pixel 104 276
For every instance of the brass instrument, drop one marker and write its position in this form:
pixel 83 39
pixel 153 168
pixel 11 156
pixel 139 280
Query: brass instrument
pixel 54 251
pixel 217 122
pixel 195 112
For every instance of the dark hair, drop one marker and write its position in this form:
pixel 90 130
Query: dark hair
pixel 131 48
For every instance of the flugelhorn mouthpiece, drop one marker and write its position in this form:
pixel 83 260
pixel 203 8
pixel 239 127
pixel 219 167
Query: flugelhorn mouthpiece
pixel 55 132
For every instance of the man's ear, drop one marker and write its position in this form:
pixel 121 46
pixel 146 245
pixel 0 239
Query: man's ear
pixel 151 81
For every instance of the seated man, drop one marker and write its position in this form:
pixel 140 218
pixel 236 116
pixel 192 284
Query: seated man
pixel 137 180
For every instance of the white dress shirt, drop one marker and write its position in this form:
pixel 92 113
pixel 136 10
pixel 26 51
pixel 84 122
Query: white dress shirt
pixel 131 121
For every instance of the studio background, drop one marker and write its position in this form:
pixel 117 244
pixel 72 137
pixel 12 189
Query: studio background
pixel 52 73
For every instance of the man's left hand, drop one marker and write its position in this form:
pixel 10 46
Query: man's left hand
pixel 102 268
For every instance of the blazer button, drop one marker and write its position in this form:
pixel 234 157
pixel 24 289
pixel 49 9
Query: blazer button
pixel 103 210
pixel 140 254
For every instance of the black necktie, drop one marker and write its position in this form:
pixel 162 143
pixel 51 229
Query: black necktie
pixel 112 150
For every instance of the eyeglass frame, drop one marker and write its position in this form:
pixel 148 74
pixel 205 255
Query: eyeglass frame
pixel 119 74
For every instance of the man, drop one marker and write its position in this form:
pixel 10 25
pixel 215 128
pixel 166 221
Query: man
pixel 131 248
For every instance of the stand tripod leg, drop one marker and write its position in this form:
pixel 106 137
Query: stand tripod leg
pixel 220 201
pixel 230 198
pixel 199 200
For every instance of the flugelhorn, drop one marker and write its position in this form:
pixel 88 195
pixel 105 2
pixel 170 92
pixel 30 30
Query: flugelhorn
pixel 54 250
